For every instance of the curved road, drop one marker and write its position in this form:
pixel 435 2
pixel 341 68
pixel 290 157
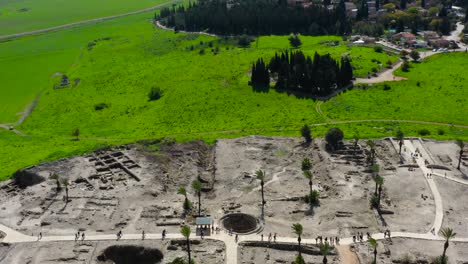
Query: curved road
pixel 84 22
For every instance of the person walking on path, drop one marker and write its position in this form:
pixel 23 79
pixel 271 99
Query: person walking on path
pixel 143 235
pixel 274 238
pixel 83 237
pixel 39 237
pixel 163 234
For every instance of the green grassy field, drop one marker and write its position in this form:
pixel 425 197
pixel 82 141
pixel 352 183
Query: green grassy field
pixel 27 64
pixel 436 90
pixel 25 15
pixel 205 96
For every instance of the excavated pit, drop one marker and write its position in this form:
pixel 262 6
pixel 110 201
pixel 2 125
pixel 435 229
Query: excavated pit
pixel 129 254
pixel 240 223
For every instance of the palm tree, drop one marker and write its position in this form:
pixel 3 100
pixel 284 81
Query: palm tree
pixel 373 244
pixel 56 177
pixel 325 249
pixel 375 173
pixel 306 165
pixel 371 145
pixel 65 183
pixel 380 181
pixel 448 234
pixel 297 229
pixel 185 231
pixel 400 136
pixel 197 187
pixel 186 205
pixel 356 140
pixel 261 176
pixel 461 144
pixel 308 176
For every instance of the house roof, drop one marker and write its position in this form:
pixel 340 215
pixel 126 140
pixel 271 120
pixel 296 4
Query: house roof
pixel 405 35
pixel 204 221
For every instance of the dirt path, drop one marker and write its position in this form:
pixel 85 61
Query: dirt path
pixel 346 255
pixel 161 26
pixel 24 114
pixel 84 22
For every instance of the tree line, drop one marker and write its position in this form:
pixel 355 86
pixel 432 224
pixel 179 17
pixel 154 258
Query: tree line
pixel 262 17
pixel 294 71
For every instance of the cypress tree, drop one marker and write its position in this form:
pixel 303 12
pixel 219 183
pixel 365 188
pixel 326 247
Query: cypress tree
pixel 403 4
pixel 466 15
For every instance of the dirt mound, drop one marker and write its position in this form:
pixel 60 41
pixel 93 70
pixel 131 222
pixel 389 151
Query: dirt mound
pixel 130 254
pixel 25 178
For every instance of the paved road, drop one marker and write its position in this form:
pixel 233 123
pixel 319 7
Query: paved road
pixel 85 22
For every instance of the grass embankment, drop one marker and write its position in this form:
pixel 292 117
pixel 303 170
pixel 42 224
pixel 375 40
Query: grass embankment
pixel 205 96
pixel 18 16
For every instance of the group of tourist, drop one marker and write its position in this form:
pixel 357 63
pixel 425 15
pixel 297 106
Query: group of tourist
pixel 331 241
pixel 270 238
pixel 78 235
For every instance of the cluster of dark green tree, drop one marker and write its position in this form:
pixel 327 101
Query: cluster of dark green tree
pixel 256 18
pixel 294 71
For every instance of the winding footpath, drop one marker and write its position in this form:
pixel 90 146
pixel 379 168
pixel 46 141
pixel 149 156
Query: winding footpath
pixel 411 145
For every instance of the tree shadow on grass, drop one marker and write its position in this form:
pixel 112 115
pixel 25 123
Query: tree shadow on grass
pixel 260 88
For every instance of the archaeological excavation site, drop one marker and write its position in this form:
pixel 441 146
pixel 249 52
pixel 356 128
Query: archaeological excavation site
pixel 244 200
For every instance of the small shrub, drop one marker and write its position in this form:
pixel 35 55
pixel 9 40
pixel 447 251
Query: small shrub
pixel 312 198
pixel 295 41
pixel 424 132
pixel 405 67
pixel 201 52
pixel 100 106
pixel 374 201
pixel 440 132
pixel 389 63
pixel 386 87
pixel 244 41
pixel 378 49
pixel 155 93
pixel 418 84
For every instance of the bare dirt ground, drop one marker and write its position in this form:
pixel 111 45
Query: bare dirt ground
pixel 455 213
pixel 206 251
pixel 399 250
pixel 134 188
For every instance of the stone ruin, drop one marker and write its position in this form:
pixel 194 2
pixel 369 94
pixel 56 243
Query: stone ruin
pixel 111 166
pixel 240 223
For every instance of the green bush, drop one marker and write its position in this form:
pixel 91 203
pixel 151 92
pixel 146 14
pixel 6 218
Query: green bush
pixel 155 93
pixel 100 106
pixel 424 132
pixel 312 198
pixel 374 201
pixel 378 49
pixel 440 132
